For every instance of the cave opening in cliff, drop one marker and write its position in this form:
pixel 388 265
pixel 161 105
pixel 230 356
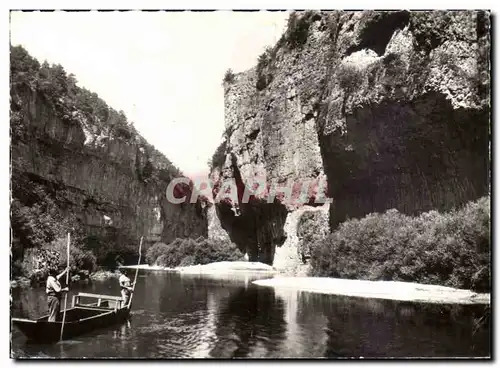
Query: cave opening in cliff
pixel 379 30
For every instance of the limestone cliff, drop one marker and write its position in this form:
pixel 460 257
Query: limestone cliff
pixel 392 108
pixel 115 185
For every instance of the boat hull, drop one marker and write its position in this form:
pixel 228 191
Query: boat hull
pixel 42 331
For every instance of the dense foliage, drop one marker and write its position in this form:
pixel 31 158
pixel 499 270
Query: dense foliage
pixel 187 252
pixel 350 77
pixel 451 249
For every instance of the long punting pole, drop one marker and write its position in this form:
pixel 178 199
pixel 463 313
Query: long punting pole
pixel 136 273
pixel 67 283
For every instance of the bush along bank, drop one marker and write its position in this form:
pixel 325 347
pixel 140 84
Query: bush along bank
pixel 189 252
pixel 33 268
pixel 450 249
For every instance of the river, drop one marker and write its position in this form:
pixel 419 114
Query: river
pixel 192 316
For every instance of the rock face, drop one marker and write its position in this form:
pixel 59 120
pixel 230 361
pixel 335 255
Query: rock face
pixel 392 108
pixel 99 179
pixel 290 257
pixel 215 230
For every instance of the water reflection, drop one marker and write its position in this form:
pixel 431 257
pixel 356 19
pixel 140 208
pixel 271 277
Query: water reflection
pixel 306 337
pixel 384 328
pixel 195 316
pixel 122 337
pixel 122 333
pixel 250 324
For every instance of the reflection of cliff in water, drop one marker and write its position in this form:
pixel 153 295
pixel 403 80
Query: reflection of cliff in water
pixel 181 313
pixel 175 316
pixel 306 323
pixel 331 326
pixel 250 324
pixel 384 328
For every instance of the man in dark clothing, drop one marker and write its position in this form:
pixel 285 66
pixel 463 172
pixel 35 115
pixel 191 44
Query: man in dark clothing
pixel 54 291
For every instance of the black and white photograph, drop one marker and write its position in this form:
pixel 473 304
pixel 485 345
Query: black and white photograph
pixel 250 184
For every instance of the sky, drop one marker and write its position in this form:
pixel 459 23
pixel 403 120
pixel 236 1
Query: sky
pixel 163 69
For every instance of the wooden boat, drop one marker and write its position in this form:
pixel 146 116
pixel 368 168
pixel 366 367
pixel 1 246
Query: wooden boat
pixel 104 310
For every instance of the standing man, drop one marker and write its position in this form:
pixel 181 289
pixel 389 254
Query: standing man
pixel 54 291
pixel 125 286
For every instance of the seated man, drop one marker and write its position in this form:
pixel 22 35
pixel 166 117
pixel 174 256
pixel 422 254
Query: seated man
pixel 126 287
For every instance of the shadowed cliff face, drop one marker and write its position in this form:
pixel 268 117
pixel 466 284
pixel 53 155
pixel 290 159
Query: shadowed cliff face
pixel 413 156
pixel 392 107
pixel 257 230
pixel 256 226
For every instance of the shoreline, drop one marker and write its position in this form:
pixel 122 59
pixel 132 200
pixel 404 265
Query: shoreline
pixel 388 290
pixel 213 268
pixel 216 268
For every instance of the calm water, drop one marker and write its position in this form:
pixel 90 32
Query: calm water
pixel 202 317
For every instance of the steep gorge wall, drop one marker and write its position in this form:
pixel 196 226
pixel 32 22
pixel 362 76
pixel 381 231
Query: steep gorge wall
pixel 93 175
pixel 392 108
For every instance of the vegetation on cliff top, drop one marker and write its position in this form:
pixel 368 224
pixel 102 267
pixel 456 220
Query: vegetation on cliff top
pixel 450 249
pixel 264 68
pixel 298 28
pixel 72 103
pixel 219 156
pixel 294 37
pixel 229 76
pixel 188 252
